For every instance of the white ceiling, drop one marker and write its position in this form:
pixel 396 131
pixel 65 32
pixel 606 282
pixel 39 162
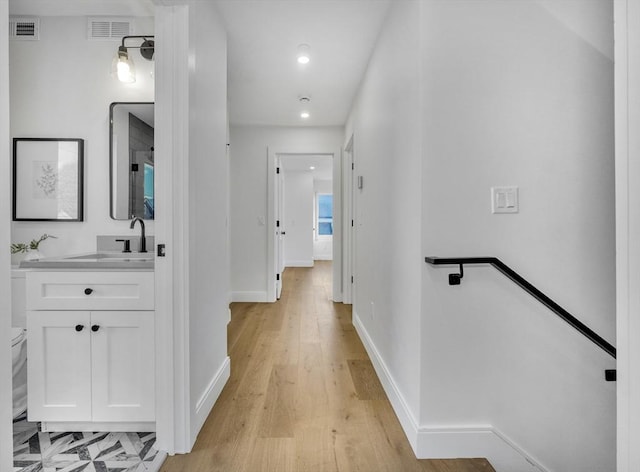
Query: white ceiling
pixel 265 80
pixel 301 163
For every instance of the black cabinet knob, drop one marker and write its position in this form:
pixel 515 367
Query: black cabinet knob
pixel 88 291
pixel 95 328
pixel 79 328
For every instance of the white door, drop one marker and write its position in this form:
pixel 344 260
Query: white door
pixel 122 345
pixel 280 232
pixel 59 366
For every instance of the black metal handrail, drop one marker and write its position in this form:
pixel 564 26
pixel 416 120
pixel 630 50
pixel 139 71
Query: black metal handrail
pixel 454 279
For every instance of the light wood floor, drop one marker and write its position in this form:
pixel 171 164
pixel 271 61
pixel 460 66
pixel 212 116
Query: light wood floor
pixel 303 395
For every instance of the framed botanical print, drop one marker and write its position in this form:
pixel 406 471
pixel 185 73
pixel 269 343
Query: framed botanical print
pixel 48 179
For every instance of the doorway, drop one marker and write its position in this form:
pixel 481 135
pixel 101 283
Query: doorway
pixel 305 201
pixel 294 182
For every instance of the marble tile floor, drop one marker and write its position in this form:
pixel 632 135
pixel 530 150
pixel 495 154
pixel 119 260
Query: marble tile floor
pixel 35 451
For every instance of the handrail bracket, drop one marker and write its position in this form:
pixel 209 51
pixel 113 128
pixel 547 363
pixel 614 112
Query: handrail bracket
pixel 455 279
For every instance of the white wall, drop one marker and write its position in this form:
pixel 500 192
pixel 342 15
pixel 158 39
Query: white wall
pixel 6 443
pixel 208 211
pixel 513 96
pixel 388 266
pixel 248 187
pixel 61 86
pixel 298 219
pixel 322 186
pixel 502 93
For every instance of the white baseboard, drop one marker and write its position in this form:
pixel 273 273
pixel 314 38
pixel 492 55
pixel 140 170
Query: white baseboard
pixel 476 441
pixel 402 410
pixel 302 263
pixel 448 442
pixel 209 397
pixel 255 297
pixel 323 258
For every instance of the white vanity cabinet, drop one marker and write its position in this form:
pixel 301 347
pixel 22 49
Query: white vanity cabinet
pixel 91 350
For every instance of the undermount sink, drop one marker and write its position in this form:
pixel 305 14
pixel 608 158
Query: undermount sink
pixel 94 260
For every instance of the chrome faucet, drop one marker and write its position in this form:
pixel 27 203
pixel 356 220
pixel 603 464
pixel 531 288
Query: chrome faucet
pixel 143 238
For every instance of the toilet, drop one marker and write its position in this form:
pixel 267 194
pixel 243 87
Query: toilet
pixel 19 355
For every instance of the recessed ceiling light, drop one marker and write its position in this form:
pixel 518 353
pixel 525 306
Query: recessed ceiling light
pixel 303 54
pixel 304 114
pixel 312 168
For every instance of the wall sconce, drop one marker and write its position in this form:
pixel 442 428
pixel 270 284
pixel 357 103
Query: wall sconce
pixel 123 67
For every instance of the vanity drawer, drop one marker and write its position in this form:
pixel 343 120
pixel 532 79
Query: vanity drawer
pixel 90 290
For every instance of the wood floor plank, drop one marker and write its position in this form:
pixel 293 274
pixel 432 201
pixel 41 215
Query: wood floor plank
pixel 303 395
pixel 274 317
pixel 384 428
pixel 309 329
pixel 287 346
pixel 365 380
pixel 278 416
pixel 355 453
pixel 272 455
pixel 311 400
pixel 315 448
pixel 342 342
pixel 458 465
pixel 242 312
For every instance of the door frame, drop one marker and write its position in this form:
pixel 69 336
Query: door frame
pixel 278 217
pixel 6 398
pixel 272 157
pixel 171 227
pixel 627 183
pixel 348 279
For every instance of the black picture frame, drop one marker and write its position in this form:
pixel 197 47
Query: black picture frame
pixel 48 179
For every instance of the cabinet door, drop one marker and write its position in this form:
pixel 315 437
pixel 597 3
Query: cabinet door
pixel 59 366
pixel 123 365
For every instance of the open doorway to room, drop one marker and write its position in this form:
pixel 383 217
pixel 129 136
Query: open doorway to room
pixel 307 218
pixel 304 209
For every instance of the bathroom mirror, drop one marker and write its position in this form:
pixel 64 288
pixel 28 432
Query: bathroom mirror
pixel 131 131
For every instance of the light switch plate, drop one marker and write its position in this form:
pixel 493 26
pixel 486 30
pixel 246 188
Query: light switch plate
pixel 504 200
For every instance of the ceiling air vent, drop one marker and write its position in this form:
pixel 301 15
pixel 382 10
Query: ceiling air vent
pixel 102 28
pixel 24 28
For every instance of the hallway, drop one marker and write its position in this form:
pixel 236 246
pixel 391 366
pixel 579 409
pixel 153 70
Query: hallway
pixel 303 395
